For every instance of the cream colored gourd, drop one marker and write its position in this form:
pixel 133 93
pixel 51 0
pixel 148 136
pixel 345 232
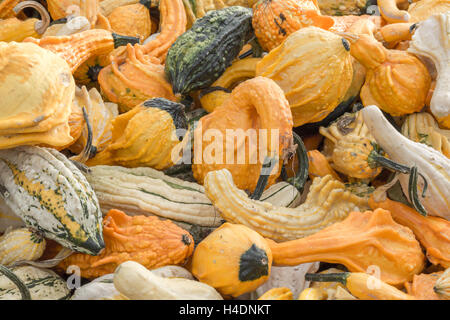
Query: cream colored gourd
pixel 422 127
pixel 137 283
pixel 327 202
pixel 20 244
pixel 73 25
pixel 442 285
pixel 431 39
pixel 433 165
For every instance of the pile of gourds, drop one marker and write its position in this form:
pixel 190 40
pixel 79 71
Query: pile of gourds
pixel 114 167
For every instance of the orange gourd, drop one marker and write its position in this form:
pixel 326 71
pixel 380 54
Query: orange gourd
pixel 6 8
pixel 274 20
pixel 421 286
pixel 255 104
pixel 432 232
pixel 319 166
pixel 363 239
pixel 147 240
pixel 131 20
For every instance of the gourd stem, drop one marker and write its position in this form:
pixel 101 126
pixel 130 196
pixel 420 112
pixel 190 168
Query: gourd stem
pixel 146 3
pixel 412 190
pixel 23 289
pixel 120 40
pixel 246 54
pixel 330 277
pixel 42 24
pixel 377 160
pixel 266 170
pixel 299 180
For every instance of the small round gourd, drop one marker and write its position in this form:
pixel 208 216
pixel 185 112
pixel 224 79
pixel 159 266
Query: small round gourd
pixel 20 244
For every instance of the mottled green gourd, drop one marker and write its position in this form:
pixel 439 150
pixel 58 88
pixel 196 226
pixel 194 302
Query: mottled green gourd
pixel 201 55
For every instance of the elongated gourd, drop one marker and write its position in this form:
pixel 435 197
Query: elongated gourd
pixel 233 259
pixel 363 286
pixel 431 40
pixel 137 283
pixel 363 239
pixel 430 163
pixel 51 195
pixel 314 68
pixel 20 244
pixel 396 81
pixel 327 202
pixel 442 285
pixel 147 240
pixel 13 29
pixel 422 127
pixel 433 233
pixel 390 11
pixel 79 47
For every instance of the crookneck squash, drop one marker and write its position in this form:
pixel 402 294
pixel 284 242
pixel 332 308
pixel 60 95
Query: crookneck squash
pixel 200 55
pixel 363 239
pixel 274 20
pixel 314 69
pixel 20 244
pixel 422 127
pixel 348 145
pixel 13 29
pixel 239 71
pixel 150 135
pixel 51 195
pixel 431 40
pixel 255 110
pixel 396 81
pixel 327 202
pixel 79 47
pixel 431 192
pixel 233 259
pixel 136 282
pixel 40 116
pixel 433 233
pixel 147 240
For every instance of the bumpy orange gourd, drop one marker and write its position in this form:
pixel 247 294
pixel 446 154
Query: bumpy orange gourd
pixel 314 69
pixel 134 80
pixel 255 104
pixel 233 259
pixel 363 239
pixel 79 47
pixel 396 81
pixel 131 20
pixel 274 20
pixel 147 240
pixel 433 233
pixel 422 285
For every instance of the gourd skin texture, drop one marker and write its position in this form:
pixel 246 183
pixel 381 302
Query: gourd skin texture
pixel 255 104
pixel 20 244
pixel 43 284
pixel 274 20
pixel 13 29
pixel 137 283
pixel 396 81
pixel 200 55
pixel 134 80
pixel 348 145
pixel 6 8
pixel 327 202
pixel 131 20
pixel 442 285
pixel 147 240
pixel 145 136
pixel 41 116
pixel 277 294
pixel 319 166
pixel 239 71
pixel 433 233
pixel 314 69
pixel 421 127
pixel 361 240
pixel 431 39
pixel 424 9
pixel 52 196
pixel 342 7
pixel 233 259
pixel 432 164
pixel 421 287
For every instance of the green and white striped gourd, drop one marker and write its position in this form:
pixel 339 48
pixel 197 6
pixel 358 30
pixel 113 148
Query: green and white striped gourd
pixel 20 244
pixel 42 284
pixel 146 191
pixel 51 195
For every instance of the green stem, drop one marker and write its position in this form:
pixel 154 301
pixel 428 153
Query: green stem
pixel 23 289
pixel 412 191
pixel 330 277
pixel 299 180
pixel 266 170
